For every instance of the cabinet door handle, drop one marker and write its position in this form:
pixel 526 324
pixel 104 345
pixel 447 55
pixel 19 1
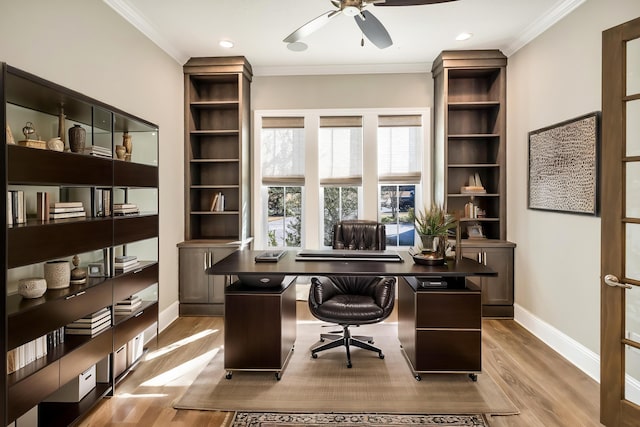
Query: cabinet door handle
pixel 210 259
pixel 479 257
pixel 70 296
pixel 484 257
pixel 81 293
pixel 204 261
pixel 139 314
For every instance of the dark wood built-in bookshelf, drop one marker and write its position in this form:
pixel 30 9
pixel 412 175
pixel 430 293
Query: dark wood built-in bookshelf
pixel 69 176
pixel 470 140
pixel 217 162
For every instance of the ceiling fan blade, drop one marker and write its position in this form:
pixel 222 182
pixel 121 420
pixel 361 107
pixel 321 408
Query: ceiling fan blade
pixel 409 2
pixel 311 26
pixel 373 29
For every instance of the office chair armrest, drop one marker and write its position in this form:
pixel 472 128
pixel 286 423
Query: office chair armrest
pixel 322 289
pixel 384 291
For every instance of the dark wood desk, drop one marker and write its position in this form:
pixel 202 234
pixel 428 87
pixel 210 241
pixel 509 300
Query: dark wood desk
pixel 243 262
pixel 439 329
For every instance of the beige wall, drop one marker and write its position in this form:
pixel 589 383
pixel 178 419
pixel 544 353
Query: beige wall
pixel 342 91
pixel 87 47
pixel 554 78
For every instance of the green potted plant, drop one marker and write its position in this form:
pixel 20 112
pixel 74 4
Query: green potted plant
pixel 432 225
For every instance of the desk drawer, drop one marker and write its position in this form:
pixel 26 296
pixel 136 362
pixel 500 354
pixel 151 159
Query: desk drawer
pixel 448 351
pixel 452 310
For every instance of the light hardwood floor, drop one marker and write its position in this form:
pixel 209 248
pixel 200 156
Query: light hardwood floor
pixel 547 389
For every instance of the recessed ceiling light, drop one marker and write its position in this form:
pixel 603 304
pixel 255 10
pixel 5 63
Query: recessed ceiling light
pixel 297 46
pixel 463 36
pixel 227 44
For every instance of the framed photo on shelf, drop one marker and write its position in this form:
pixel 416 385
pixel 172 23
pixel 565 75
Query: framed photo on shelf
pixel 475 231
pixel 563 166
pixel 95 269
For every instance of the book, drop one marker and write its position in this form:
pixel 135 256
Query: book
pixel 94 318
pixel 65 210
pixel 67 215
pixel 9 209
pixel 129 301
pixel 18 207
pixel 214 201
pixel 125 258
pixel 66 204
pixel 124 206
pixel 42 201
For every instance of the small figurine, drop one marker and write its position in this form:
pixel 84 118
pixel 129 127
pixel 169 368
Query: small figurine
pixel 78 275
pixel 28 130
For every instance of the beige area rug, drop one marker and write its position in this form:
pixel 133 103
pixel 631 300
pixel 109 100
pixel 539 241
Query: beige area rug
pixel 325 384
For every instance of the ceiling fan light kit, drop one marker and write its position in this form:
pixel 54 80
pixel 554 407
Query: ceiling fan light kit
pixel 370 26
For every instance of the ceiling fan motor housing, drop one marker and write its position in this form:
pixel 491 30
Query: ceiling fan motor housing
pixel 351 7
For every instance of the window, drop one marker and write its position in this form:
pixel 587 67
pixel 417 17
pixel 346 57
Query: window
pixel 284 216
pixel 340 170
pixel 312 168
pixel 399 169
pixel 282 167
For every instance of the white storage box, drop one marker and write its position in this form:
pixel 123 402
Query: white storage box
pixel 135 347
pixel 77 388
pixel 103 371
pixel 120 360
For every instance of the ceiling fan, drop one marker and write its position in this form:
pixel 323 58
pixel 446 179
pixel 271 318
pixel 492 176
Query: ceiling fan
pixel 370 26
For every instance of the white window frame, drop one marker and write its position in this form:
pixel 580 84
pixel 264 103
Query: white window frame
pixel 312 233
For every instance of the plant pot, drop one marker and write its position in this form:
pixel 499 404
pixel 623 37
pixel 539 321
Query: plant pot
pixel 57 274
pixel 433 249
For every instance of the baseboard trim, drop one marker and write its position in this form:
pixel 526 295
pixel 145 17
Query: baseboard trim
pixel 582 357
pixel 168 316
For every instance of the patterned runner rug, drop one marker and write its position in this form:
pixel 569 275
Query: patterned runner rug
pixel 274 419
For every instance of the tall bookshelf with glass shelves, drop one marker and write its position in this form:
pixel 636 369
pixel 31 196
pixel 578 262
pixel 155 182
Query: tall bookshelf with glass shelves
pixel 101 185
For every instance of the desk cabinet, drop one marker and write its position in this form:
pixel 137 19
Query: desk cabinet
pixel 497 292
pixel 202 293
pixel 259 327
pixel 440 329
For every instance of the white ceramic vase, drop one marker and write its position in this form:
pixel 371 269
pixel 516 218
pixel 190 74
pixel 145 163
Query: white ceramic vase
pixel 32 287
pixel 57 274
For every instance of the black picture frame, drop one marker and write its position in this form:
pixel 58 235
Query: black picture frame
pixel 564 166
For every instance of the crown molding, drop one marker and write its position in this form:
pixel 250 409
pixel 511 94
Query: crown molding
pixel 542 24
pixel 135 18
pixel 318 70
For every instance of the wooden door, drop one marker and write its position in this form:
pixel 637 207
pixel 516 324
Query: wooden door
pixel 620 243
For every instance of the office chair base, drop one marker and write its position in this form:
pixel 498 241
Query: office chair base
pixel 346 340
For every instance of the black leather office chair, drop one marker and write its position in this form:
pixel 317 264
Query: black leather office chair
pixel 352 300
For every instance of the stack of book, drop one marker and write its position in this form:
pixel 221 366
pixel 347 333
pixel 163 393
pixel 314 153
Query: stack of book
pixel 20 357
pixel 102 202
pixel 16 209
pixel 125 209
pixel 124 263
pixel 90 325
pixel 217 203
pixel 59 210
pixel 96 150
pixel 128 305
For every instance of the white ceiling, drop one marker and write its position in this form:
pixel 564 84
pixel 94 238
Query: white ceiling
pixel 192 28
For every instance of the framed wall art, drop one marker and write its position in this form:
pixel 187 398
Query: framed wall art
pixel 564 166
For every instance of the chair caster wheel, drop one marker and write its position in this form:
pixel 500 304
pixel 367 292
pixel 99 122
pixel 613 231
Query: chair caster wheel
pixel 370 342
pixel 228 376
pixel 278 376
pixel 321 339
pixel 418 378
pixel 315 356
pixel 349 365
pixel 474 377
pixel 381 356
